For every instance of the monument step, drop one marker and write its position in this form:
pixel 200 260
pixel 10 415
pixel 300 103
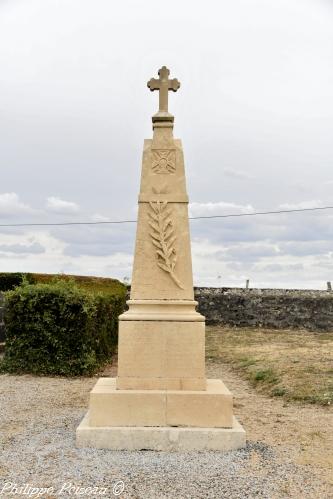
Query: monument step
pixel 160 438
pixel 111 407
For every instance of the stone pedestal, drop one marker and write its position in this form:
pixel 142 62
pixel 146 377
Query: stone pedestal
pixel 161 398
pixel 165 438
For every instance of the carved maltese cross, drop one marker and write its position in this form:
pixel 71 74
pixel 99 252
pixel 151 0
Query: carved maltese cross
pixel 164 161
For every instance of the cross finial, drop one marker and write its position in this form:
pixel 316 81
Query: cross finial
pixel 163 84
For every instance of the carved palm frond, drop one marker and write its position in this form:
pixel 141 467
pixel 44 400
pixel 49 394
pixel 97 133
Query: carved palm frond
pixel 163 238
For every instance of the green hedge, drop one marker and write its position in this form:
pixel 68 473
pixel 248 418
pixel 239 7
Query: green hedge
pixel 90 283
pixel 59 328
pixel 9 280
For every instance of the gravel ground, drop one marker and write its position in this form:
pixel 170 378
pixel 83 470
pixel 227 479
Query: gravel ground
pixel 38 418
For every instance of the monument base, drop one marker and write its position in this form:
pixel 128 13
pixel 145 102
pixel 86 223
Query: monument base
pixel 210 408
pixel 162 438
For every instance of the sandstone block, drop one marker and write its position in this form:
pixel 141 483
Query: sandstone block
pixel 111 407
pixel 212 408
pixel 160 438
pixel 159 349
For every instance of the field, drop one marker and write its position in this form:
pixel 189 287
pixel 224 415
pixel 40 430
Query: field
pixel 294 365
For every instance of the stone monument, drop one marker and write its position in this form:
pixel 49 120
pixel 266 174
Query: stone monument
pixel 161 399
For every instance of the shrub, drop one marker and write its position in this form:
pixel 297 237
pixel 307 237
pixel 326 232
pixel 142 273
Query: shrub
pixel 90 283
pixel 9 280
pixel 59 328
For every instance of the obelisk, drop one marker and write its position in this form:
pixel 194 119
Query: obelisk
pixel 161 399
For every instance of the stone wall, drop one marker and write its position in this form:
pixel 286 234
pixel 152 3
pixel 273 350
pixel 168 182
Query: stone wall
pixel 271 308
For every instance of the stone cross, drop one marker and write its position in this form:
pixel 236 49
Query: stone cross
pixel 163 84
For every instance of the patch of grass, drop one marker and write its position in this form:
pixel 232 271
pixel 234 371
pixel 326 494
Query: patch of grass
pixel 279 391
pixel 247 362
pixel 294 365
pixel 264 376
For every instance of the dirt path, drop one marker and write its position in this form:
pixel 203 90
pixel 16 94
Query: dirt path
pixel 302 433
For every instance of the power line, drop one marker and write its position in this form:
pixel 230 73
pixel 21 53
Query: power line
pixel 264 213
pixel 190 218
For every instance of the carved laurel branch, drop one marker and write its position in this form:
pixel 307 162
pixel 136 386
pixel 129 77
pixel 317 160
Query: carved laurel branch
pixel 163 238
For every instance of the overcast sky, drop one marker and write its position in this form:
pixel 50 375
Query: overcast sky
pixel 254 112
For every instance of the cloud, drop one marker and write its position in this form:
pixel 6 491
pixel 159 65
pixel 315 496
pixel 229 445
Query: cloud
pixel 67 129
pixel 41 251
pixel 97 217
pixel 315 203
pixel 105 239
pixel 239 174
pixel 278 267
pixel 272 251
pixel 58 205
pixel 10 205
pixel 218 208
pixel 283 250
pixel 250 251
pixel 22 248
pixel 266 269
pixel 304 248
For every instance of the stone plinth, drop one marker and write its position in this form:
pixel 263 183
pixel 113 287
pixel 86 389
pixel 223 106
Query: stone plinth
pixel 161 398
pixel 110 406
pixel 160 438
pixel 161 355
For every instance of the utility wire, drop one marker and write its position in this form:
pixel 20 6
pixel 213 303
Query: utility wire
pixel 190 218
